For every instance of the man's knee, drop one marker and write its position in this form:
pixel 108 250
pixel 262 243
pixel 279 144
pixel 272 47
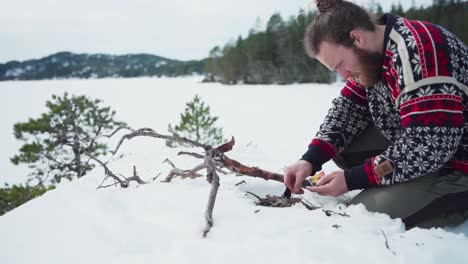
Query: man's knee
pixel 427 201
pixel 379 201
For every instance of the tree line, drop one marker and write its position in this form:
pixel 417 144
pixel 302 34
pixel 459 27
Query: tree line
pixel 276 54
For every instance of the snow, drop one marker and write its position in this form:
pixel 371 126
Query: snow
pixel 15 72
pixel 163 222
pixel 160 63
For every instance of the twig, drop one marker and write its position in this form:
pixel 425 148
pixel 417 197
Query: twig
pixel 185 173
pixel 170 163
pixel 108 173
pixel 195 155
pixel 115 131
pixel 309 205
pixel 386 242
pixel 123 183
pixel 256 196
pixel 330 212
pixel 239 183
pixel 154 178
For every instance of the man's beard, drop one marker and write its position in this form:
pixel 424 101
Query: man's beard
pixel 371 66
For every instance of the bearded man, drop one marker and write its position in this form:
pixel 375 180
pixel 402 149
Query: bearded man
pixel 399 128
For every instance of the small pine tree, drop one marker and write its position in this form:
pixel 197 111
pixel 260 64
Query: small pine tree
pixel 197 124
pixel 54 143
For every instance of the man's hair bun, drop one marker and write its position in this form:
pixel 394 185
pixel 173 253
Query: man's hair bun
pixel 325 5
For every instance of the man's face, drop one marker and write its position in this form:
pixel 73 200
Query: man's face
pixel 354 62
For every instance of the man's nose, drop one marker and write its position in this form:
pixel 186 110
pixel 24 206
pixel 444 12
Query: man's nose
pixel 343 73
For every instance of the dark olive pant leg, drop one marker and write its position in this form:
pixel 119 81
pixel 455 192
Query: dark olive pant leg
pixel 432 200
pixel 369 144
pixel 435 200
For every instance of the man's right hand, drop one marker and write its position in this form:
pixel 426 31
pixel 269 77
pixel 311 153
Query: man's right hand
pixel 295 174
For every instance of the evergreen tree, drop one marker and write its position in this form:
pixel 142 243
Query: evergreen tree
pixel 276 54
pixel 56 141
pixel 16 195
pixel 197 124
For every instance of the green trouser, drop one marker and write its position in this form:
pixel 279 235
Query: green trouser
pixel 435 200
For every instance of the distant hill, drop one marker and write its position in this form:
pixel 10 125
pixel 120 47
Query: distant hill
pixel 64 65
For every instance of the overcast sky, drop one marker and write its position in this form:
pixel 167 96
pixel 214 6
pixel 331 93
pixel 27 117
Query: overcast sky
pixel 178 29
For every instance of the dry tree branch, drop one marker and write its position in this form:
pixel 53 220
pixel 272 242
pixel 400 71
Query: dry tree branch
pixel 148 132
pixel 114 132
pixel 123 183
pixel 195 155
pixel 185 173
pixel 214 160
pixel 386 242
pixel 330 212
pixel 238 167
pixel 212 178
pixel 241 182
pixel 168 161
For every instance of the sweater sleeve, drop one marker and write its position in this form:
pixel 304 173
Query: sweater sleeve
pixel 347 118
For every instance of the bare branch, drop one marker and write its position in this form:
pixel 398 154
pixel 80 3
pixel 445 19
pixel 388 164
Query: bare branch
pixel 108 173
pixel 195 155
pixel 330 212
pixel 386 242
pixel 148 132
pixel 154 178
pixel 212 178
pixel 192 174
pixel 123 183
pixel 115 131
pixel 275 201
pixel 214 161
pixel 308 204
pixel 236 166
pixel 254 195
pixel 135 177
pixel 170 163
pixel 239 183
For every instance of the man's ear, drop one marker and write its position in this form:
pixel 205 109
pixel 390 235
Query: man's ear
pixel 358 36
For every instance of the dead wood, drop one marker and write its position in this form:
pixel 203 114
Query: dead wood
pixel 386 242
pixel 212 178
pixel 214 161
pixel 124 183
pixel 275 201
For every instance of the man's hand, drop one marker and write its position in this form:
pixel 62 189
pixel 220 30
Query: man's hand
pixel 333 184
pixel 295 174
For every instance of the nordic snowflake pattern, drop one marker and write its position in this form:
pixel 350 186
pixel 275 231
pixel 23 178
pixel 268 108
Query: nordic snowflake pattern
pixel 424 119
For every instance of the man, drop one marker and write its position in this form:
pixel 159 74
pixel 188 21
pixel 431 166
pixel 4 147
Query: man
pixel 399 129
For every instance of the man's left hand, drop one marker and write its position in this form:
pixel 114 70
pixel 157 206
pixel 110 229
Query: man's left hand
pixel 333 184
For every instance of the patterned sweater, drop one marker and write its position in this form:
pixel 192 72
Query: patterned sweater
pixel 420 106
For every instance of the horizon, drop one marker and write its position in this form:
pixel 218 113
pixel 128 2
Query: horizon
pixel 140 26
pixel 97 53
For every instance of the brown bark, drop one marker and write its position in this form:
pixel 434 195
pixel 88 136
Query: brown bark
pixel 214 159
pixel 236 166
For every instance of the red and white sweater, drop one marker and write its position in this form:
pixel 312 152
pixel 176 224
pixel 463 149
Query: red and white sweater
pixel 420 106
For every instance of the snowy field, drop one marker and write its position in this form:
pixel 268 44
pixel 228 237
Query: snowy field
pixel 163 222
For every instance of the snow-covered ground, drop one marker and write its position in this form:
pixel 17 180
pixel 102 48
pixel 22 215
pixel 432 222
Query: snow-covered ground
pixel 163 222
